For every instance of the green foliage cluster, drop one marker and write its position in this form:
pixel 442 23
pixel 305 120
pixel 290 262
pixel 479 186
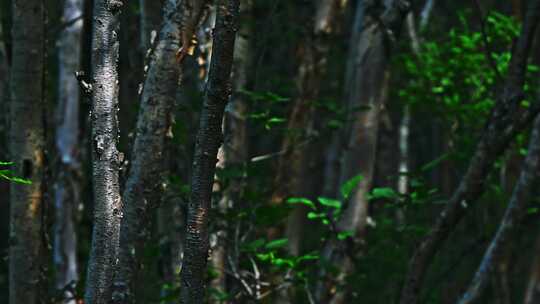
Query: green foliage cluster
pixel 7 175
pixel 457 77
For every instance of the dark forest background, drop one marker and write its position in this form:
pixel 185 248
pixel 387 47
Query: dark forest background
pixel 377 151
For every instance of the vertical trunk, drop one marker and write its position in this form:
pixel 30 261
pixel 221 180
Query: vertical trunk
pixel 67 145
pixel 144 181
pixel 209 138
pixel 26 144
pixel 292 177
pixel 370 56
pixel 532 294
pixel 365 80
pixel 234 150
pixel 106 158
pixel 504 122
pixel 150 11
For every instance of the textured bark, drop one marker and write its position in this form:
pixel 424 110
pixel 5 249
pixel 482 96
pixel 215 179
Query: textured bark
pixel 506 119
pixel 143 185
pixel 209 138
pixel 234 150
pixel 26 145
pixel 67 144
pixel 514 212
pixel 371 41
pixel 292 178
pixel 106 159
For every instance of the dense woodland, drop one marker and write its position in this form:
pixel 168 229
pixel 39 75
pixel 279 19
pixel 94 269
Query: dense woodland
pixel 255 151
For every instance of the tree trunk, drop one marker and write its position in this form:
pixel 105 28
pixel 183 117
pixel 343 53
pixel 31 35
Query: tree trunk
pixel 370 56
pixel 209 138
pixel 144 182
pixel 532 294
pixel 505 121
pixel 234 150
pixel 26 144
pixel 292 178
pixel 514 213
pixel 67 144
pixel 106 158
pixel 150 11
pixel 365 80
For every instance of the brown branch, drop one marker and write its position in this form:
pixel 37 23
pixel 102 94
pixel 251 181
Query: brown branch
pixel 514 212
pixel 507 118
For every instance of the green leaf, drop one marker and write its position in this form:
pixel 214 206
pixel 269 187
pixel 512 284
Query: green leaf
pixel 302 201
pixel 345 234
pixel 276 243
pixel 350 185
pixel 381 193
pixel 313 215
pixel 265 256
pixel 252 246
pixel 283 262
pixel 328 202
pixel 6 163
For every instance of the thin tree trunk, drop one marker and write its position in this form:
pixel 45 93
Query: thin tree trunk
pixel 505 121
pixel 106 158
pixel 26 144
pixel 144 182
pixel 532 294
pixel 209 138
pixel 234 151
pixel 514 212
pixel 67 144
pixel 364 84
pixel 292 178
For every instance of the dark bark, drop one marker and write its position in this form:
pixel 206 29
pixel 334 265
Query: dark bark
pixel 26 145
pixel 209 139
pixel 506 119
pixel 234 151
pixel 144 182
pixel 106 159
pixel 67 186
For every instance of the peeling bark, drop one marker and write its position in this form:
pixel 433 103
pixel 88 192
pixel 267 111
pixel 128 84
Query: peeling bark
pixel 26 145
pixel 67 187
pixel 209 139
pixel 106 159
pixel 506 119
pixel 144 182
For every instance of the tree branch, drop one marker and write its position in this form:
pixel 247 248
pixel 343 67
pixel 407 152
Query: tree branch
pixel 506 119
